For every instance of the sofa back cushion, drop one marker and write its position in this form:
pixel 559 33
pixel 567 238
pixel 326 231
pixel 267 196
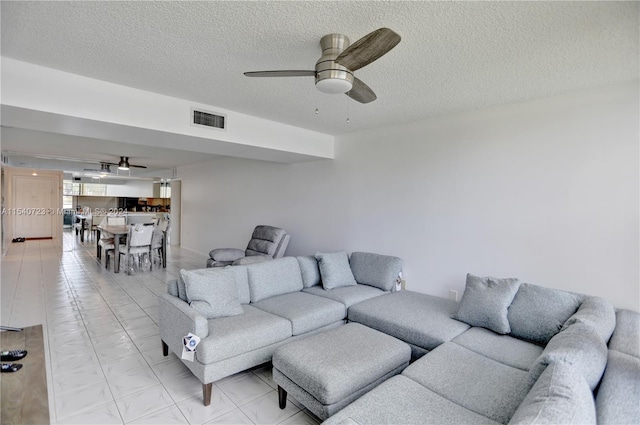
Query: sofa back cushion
pixel 559 396
pixel 626 336
pixel 619 390
pixel 578 345
pixel 485 302
pixel 310 271
pixel 538 313
pixel 275 277
pixel 597 313
pixel 242 282
pixel 376 270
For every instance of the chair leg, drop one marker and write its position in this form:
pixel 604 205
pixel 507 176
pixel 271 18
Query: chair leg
pixel 165 349
pixel 206 393
pixel 99 252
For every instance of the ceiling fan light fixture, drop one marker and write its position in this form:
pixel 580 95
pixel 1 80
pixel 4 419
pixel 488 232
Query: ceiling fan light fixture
pixel 334 85
pixel 123 164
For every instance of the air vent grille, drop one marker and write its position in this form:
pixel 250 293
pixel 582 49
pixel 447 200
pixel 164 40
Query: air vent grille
pixel 208 119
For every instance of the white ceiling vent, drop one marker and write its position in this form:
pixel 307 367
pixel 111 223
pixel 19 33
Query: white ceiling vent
pixel 208 119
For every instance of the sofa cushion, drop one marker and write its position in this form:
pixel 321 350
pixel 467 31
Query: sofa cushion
pixel 334 269
pixel 626 336
pixel 310 271
pixel 501 348
pixel 306 312
pixel 419 319
pixel 475 382
pixel 619 391
pixel 559 396
pixel 242 282
pixel 376 270
pixel 485 302
pixel 578 345
pixel 597 313
pixel 211 294
pixel 274 277
pixel 347 295
pixel 538 313
pixel 401 400
pixel 235 335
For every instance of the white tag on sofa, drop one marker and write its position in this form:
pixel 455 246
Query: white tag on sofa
pixel 189 345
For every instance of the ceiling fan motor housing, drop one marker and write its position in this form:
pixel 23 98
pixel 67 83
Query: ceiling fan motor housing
pixel 330 76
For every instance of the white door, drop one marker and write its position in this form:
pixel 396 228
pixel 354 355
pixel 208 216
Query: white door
pixel 34 203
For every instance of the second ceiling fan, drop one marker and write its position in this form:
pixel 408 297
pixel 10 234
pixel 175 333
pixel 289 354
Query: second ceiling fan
pixel 123 164
pixel 334 70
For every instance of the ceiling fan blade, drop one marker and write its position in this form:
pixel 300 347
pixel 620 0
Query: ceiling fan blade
pixel 369 48
pixel 289 73
pixel 137 166
pixel 361 92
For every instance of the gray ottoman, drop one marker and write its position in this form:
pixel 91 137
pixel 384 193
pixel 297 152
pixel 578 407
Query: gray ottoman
pixel 329 370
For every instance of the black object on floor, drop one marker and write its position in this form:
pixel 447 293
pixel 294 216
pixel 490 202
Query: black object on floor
pixel 12 355
pixel 11 367
pixel 20 239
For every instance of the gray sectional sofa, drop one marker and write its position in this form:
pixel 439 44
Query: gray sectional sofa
pixel 256 308
pixel 544 369
pixel 507 353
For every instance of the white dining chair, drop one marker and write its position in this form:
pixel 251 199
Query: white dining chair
pixel 106 241
pixel 138 244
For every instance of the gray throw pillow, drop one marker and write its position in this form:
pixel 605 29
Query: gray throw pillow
pixel 211 294
pixel 335 270
pixel 538 313
pixel 485 302
pixel 310 271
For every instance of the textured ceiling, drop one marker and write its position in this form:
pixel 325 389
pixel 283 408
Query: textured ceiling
pixel 454 56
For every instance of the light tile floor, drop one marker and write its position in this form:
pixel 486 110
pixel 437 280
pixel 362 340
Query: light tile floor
pixel 103 356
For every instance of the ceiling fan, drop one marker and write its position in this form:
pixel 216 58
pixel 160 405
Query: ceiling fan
pixel 123 164
pixel 334 70
pixel 105 168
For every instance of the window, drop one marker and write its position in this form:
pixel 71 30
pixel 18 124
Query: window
pixel 93 189
pixel 84 189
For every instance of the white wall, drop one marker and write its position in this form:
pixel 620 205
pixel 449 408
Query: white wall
pixel 132 189
pixel 106 110
pixel 547 191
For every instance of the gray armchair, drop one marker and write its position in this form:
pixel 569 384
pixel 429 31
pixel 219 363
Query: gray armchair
pixel 266 243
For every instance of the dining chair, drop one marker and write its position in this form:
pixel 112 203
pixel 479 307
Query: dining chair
pixel 106 239
pixel 138 244
pixel 81 226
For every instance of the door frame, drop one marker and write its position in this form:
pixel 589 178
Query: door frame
pixel 54 210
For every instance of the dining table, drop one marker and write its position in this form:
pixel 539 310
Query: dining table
pixel 118 232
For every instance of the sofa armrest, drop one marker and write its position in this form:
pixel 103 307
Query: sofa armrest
pixel 177 319
pixel 226 254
